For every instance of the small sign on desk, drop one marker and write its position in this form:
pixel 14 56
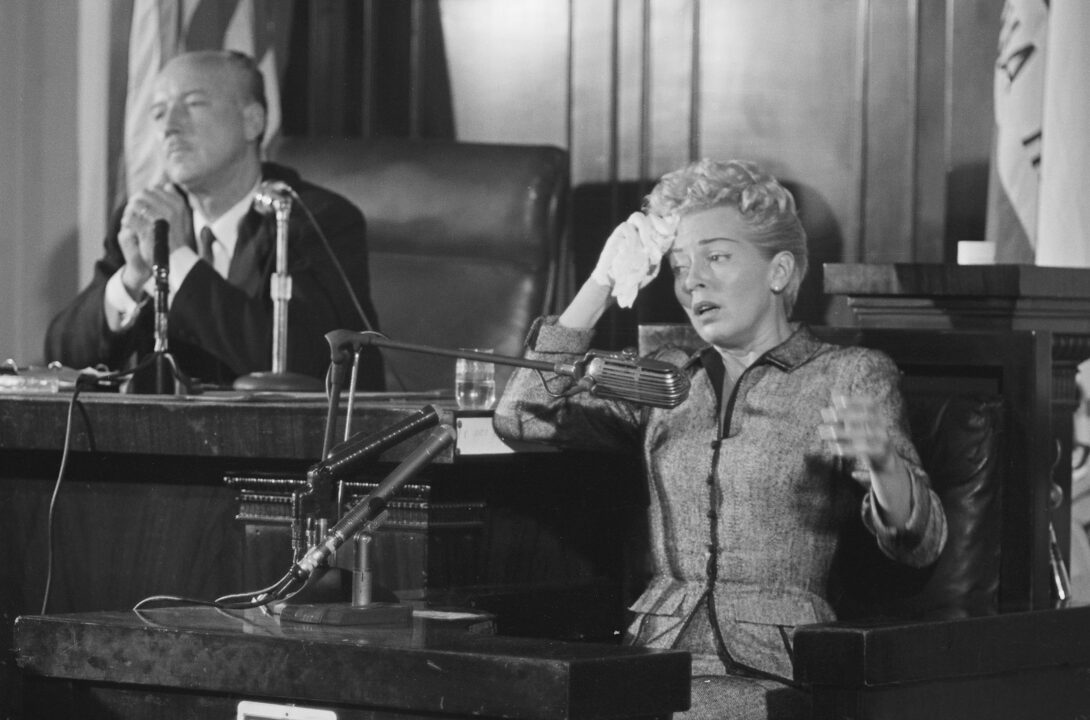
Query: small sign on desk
pixel 251 710
pixel 476 437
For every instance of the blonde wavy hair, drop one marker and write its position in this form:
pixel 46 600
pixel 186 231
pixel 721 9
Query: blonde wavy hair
pixel 765 205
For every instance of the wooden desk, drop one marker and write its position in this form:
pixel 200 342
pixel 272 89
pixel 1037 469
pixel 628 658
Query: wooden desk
pixel 988 297
pixel 144 510
pixel 197 663
pixel 1011 666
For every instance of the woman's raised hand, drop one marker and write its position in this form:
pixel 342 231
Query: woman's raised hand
pixel 632 255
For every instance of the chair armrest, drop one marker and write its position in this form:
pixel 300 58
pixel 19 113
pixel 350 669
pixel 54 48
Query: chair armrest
pixel 997 663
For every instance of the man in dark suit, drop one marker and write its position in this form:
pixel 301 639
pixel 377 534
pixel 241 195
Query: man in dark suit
pixel 209 113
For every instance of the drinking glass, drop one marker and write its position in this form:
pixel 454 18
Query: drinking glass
pixel 475 382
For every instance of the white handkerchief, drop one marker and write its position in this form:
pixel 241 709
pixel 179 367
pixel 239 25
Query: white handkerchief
pixel 640 254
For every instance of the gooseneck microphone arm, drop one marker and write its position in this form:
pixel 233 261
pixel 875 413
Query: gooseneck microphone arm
pixel 622 376
pixel 345 342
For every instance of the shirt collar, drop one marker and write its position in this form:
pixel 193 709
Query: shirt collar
pixel 225 227
pixel 788 355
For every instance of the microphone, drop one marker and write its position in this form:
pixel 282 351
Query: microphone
pixel 626 376
pixel 160 253
pixel 161 272
pixel 344 457
pixel 370 507
pixel 273 196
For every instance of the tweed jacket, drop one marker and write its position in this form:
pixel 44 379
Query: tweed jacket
pixel 220 328
pixel 779 495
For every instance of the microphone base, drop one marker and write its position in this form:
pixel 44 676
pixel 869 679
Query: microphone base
pixel 278 382
pixel 375 615
pixel 159 374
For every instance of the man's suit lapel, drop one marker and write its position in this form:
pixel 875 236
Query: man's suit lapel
pixel 250 266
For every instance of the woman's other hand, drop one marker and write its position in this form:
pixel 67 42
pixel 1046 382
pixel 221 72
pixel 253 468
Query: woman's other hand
pixel 854 428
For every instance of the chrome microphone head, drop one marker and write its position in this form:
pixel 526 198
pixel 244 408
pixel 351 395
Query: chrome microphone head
pixel 272 197
pixel 644 381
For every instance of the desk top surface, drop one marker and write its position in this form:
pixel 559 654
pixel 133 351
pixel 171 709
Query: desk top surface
pixel 227 425
pixel 427 667
pixel 943 279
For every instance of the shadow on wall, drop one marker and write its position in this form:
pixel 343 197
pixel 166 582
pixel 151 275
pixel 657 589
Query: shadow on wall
pixel 63 282
pixel 966 205
pixel 597 208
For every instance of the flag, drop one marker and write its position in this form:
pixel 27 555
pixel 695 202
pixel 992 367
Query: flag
pixel 1063 228
pixel 1016 153
pixel 161 29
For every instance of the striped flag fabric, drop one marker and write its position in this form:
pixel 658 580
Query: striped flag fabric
pixel 1041 150
pixel 1016 152
pixel 161 29
pixel 1063 226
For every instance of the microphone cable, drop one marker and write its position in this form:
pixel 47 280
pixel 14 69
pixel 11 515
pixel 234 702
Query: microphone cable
pixel 336 261
pixel 83 380
pixel 252 599
pixel 53 497
pixel 367 326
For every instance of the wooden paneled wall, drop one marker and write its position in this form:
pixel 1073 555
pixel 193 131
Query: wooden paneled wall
pixel 877 113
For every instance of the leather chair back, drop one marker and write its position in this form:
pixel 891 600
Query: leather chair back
pixel 464 240
pixel 959 441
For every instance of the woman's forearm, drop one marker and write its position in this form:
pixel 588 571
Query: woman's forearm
pixel 587 307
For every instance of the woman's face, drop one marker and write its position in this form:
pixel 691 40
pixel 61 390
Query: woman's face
pixel 725 284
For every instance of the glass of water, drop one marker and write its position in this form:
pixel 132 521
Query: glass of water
pixel 475 382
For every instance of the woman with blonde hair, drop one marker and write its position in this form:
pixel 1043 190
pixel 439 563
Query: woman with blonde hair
pixel 781 438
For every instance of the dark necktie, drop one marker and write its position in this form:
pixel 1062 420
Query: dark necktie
pixel 204 245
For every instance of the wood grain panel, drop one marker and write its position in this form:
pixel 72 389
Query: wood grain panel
pixel 671 85
pixel 779 85
pixel 591 108
pixel 508 63
pixel 973 31
pixel 327 80
pixel 195 426
pixel 890 110
pixel 932 149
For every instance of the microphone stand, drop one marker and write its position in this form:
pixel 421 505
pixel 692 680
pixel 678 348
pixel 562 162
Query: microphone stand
pixel 339 460
pixel 311 509
pixel 362 518
pixel 367 510
pixel 169 378
pixel 275 198
pixel 620 375
pixel 343 459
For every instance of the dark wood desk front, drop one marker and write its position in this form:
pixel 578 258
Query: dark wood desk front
pixel 199 662
pixel 1012 666
pixel 144 510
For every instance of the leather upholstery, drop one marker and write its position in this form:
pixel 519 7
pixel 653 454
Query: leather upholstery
pixel 465 240
pixel 958 439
